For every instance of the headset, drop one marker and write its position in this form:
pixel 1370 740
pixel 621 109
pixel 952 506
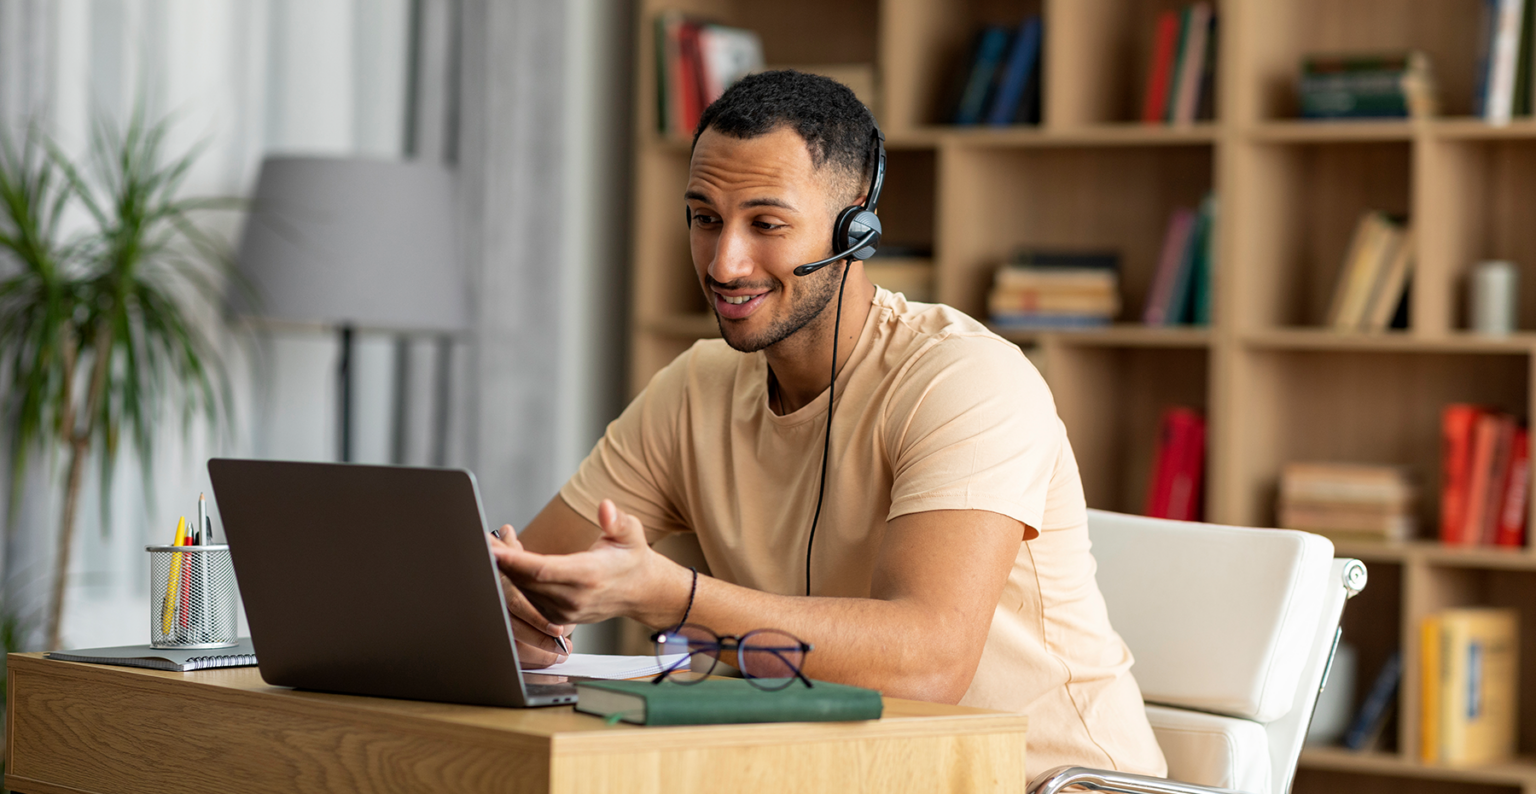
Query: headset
pixel 855 235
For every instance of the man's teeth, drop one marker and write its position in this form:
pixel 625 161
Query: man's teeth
pixel 739 300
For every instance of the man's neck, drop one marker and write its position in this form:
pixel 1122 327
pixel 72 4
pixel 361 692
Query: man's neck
pixel 802 364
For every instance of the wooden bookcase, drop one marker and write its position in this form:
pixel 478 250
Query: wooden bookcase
pixel 1275 385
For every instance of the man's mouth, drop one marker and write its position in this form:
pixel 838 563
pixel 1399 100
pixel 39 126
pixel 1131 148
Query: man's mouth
pixel 737 307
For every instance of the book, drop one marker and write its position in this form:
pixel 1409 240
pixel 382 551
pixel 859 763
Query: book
pixel 1175 240
pixel 1175 77
pixel 1376 710
pixel 1191 63
pixel 1371 250
pixel 1348 502
pixel 728 54
pixel 1391 286
pixel 1198 310
pixel 1174 490
pixel 242 654
pixel 1052 258
pixel 1181 301
pixel 1488 436
pixel 1023 59
pixel 1487 32
pixel 1498 478
pixel 1431 656
pixel 725 701
pixel 1366 86
pixel 1479 681
pixel 1498 104
pixel 1515 507
pixel 1205 107
pixel 992 42
pixel 1165 42
pixel 1457 425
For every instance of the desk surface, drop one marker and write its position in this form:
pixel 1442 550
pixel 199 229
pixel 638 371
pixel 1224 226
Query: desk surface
pixel 78 727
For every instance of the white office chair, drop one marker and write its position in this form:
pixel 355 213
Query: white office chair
pixel 1233 630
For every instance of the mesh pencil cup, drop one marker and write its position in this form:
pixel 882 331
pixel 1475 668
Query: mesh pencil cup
pixel 191 597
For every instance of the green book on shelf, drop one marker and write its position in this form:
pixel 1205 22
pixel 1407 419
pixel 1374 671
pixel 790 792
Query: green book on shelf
pixel 725 700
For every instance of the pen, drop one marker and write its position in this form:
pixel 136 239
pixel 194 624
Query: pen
pixel 202 521
pixel 565 644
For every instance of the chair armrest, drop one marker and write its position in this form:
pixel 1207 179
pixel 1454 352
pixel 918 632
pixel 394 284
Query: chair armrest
pixel 1106 780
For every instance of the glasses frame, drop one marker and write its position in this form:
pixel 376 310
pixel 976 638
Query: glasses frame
pixel 729 643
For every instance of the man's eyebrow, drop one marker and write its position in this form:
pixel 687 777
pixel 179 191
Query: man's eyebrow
pixel 767 202
pixel 694 195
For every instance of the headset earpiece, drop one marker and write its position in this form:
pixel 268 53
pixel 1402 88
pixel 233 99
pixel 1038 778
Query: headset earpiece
pixel 853 223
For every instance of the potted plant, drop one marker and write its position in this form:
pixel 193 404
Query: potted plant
pixel 98 331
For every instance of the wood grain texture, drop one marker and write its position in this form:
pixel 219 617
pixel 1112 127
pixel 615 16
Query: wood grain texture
pixel 85 728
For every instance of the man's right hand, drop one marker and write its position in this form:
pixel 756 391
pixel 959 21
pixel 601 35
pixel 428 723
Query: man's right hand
pixel 537 646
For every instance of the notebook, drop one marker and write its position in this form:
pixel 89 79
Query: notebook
pixel 241 654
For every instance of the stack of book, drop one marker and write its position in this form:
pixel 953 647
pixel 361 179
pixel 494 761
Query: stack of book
pixel 695 62
pixel 1181 287
pixel 1504 61
pixel 1040 289
pixel 1348 502
pixel 1486 471
pixel 1470 666
pixel 1372 289
pixel 998 82
pixel 1178 467
pixel 1181 79
pixel 1366 86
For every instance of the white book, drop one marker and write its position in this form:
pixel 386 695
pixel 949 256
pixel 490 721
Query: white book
pixel 1502 56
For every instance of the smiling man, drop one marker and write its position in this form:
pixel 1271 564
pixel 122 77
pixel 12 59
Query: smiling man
pixel 942 552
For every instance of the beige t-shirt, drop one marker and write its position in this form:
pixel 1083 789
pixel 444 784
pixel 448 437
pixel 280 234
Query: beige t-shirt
pixel 934 412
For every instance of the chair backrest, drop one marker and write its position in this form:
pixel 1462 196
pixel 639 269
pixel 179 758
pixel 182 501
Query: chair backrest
pixel 1224 620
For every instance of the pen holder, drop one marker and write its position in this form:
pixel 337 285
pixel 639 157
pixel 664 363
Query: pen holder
pixel 192 597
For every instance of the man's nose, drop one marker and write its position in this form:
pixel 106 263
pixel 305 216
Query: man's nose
pixel 733 256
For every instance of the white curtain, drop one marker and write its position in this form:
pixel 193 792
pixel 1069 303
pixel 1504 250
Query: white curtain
pixel 242 78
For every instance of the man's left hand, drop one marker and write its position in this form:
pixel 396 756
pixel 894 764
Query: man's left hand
pixel 618 574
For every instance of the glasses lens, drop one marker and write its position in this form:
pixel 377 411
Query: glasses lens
pixel 687 652
pixel 773 657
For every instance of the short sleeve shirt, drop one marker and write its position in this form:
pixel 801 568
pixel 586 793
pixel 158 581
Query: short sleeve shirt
pixel 934 412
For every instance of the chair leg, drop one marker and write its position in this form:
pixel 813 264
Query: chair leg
pixel 1063 777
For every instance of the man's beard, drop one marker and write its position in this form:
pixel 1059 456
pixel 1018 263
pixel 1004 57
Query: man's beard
pixel 807 306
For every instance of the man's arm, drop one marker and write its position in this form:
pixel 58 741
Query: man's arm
pixel 937 579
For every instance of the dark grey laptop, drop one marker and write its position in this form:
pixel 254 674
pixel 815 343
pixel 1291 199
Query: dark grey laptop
pixel 372 580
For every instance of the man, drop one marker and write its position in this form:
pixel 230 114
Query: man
pixel 950 557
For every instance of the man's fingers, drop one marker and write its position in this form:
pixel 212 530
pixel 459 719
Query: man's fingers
pixel 535 649
pixel 618 526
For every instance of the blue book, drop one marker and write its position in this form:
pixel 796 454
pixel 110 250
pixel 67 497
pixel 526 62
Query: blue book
pixel 1375 710
pixel 989 53
pixel 1022 60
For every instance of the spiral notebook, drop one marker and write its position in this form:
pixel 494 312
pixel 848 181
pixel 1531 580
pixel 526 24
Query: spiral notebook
pixel 241 654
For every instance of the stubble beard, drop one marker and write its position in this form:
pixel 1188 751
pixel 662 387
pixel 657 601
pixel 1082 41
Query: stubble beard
pixel 808 305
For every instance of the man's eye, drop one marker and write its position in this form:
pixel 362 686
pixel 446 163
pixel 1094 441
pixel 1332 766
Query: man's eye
pixel 705 218
pixel 766 226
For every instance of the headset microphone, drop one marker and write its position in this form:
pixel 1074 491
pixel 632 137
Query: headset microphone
pixel 869 240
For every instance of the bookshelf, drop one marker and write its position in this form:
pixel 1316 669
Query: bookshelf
pixel 1276 385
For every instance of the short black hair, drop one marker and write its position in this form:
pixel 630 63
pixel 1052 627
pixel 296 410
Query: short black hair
pixel 835 125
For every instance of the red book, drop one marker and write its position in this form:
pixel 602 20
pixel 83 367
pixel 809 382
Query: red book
pixel 1184 502
pixel 691 77
pixel 1165 43
pixel 1485 441
pixel 1517 492
pixel 1174 489
pixel 1456 429
pixel 1498 477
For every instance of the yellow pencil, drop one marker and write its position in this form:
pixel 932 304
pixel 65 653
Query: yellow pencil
pixel 173 587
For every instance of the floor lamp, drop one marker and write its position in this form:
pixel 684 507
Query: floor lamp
pixel 359 245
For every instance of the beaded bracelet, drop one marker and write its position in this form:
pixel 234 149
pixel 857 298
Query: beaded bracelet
pixel 691 590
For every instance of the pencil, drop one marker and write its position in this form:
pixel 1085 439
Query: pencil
pixel 172 587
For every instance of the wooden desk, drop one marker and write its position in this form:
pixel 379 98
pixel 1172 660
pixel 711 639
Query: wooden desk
pixel 87 728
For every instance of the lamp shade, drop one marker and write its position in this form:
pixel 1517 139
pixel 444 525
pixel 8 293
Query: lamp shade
pixel 347 241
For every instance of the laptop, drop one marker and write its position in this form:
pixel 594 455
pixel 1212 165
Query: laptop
pixel 372 580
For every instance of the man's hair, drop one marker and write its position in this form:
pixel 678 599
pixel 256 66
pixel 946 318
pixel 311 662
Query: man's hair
pixel 834 124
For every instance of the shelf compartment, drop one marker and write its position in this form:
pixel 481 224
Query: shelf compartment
pixel 1371 624
pixel 1482 194
pixel 1296 131
pixel 1357 407
pixel 1293 217
pixel 1111 400
pixel 922 44
pixel 999 199
pixel 1279 34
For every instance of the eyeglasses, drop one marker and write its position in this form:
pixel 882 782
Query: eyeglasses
pixel 768 658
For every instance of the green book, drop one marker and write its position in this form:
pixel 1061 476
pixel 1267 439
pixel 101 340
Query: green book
pixel 719 701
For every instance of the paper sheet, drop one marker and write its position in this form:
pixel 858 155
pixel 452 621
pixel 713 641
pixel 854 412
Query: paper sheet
pixel 597 665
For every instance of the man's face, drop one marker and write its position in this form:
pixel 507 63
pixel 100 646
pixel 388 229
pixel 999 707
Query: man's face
pixel 760 208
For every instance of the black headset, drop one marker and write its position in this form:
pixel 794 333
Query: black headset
pixel 855 235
